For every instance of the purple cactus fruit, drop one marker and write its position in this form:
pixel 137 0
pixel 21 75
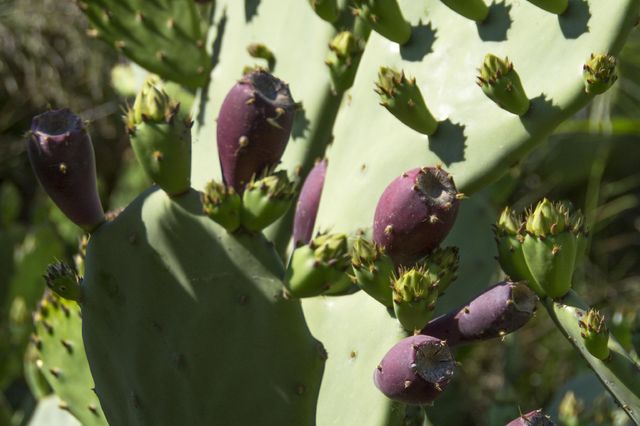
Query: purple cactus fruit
pixel 415 370
pixel 415 213
pixel 62 158
pixel 532 418
pixel 308 203
pixel 499 310
pixel 253 127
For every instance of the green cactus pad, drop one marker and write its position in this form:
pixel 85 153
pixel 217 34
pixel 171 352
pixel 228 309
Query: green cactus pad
pixel 62 360
pixel 176 308
pixel 354 353
pixel 619 373
pixel 164 36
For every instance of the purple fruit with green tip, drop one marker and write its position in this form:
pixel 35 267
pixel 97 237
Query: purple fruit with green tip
pixel 415 213
pixel 253 127
pixel 532 418
pixel 415 370
pixel 308 203
pixel 62 158
pixel 499 310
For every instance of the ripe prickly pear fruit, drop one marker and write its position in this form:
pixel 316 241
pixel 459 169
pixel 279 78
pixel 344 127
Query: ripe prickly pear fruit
pixel 385 18
pixel 501 83
pixel 64 281
pixel 265 200
pixel 161 138
pixel 472 9
pixel 402 97
pixel 222 204
pixel 308 203
pixel 319 267
pixel 415 213
pixel 599 73
pixel 259 50
pixel 499 310
pixel 326 9
pixel 345 51
pixel 415 370
pixel 554 6
pixel 595 333
pixel 532 418
pixel 373 270
pixel 414 298
pixel 253 127
pixel 62 158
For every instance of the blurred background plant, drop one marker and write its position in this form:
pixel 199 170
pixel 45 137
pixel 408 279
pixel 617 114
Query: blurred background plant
pixel 48 61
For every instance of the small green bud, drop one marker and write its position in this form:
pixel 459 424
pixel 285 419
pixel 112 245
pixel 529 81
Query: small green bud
pixel 259 50
pixel 401 96
pixel 547 219
pixel 501 83
pixel 326 9
pixel 152 104
pixel 222 204
pixel 509 223
pixel 320 267
pixel 345 51
pixel 570 409
pixel 373 270
pixel 595 334
pixel 554 6
pixel 265 200
pixel 599 73
pixel 414 298
pixel 385 18
pixel 18 312
pixel 64 281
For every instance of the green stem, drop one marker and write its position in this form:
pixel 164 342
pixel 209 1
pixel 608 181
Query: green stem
pixel 620 374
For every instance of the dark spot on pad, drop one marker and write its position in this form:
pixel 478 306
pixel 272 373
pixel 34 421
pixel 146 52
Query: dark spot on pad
pixel 300 124
pixel 448 143
pixel 109 285
pixel 250 9
pixel 498 22
pixel 542 114
pixel 422 38
pixel 575 20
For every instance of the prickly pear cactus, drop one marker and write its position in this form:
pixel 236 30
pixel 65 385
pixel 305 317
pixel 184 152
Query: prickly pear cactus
pixel 476 140
pixel 186 323
pixel 61 358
